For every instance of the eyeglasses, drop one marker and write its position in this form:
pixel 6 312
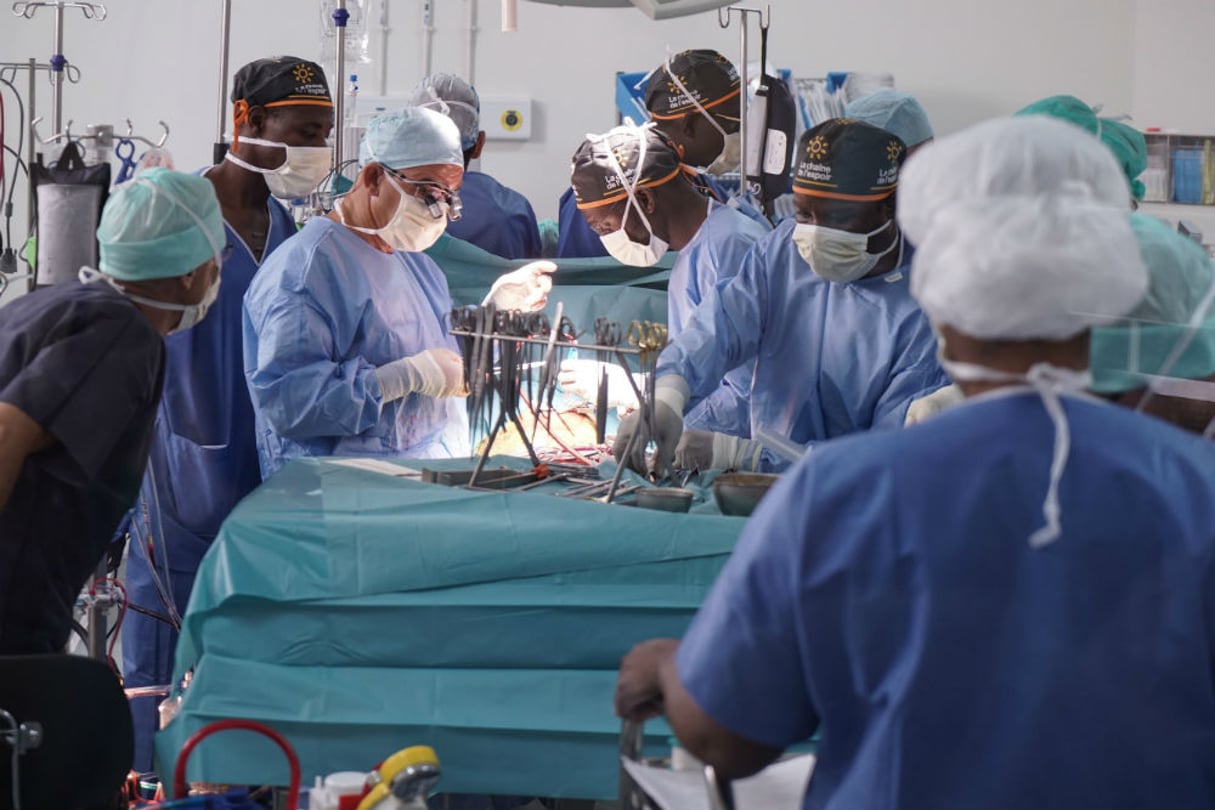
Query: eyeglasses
pixel 434 195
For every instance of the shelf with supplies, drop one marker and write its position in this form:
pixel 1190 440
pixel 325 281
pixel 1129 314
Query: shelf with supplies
pixel 1181 169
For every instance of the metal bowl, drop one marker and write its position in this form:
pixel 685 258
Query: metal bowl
pixel 665 499
pixel 739 493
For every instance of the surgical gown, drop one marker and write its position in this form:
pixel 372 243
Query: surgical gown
pixel 203 462
pixel 713 256
pixel 886 594
pixel 830 359
pixel 496 219
pixel 325 311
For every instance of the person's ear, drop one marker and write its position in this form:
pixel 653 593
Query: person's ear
pixel 476 150
pixel 256 121
pixel 689 124
pixel 373 177
pixel 646 200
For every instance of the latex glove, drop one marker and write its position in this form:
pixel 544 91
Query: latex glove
pixel 581 378
pixel 929 406
pixel 525 289
pixel 671 399
pixel 704 450
pixel 435 373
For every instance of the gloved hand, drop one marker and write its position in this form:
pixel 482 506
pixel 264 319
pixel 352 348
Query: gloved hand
pixel 934 403
pixel 435 373
pixel 525 289
pixel 671 398
pixel 581 378
pixel 704 450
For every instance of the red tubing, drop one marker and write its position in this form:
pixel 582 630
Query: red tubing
pixel 179 772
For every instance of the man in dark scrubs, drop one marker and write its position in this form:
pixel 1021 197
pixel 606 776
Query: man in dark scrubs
pixel 81 370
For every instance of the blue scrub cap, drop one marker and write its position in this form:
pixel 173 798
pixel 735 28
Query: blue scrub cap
pixel 457 99
pixel 895 112
pixel 1169 333
pixel 414 136
pixel 161 224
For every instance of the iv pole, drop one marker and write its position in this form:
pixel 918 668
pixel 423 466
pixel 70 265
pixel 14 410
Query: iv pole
pixel 724 22
pixel 221 148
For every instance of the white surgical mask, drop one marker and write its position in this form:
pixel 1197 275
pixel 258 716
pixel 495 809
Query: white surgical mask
pixel 617 243
pixel 412 228
pixel 301 172
pixel 191 314
pixel 1050 382
pixel 839 256
pixel 635 254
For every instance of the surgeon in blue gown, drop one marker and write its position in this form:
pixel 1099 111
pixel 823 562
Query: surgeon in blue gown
pixel 347 349
pixel 204 457
pixel 632 190
pixel 823 307
pixel 497 219
pixel 1008 605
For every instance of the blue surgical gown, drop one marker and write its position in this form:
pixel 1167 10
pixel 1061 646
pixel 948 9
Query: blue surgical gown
pixel 830 359
pixel 203 462
pixel 496 219
pixel 326 310
pixel 885 594
pixel 714 255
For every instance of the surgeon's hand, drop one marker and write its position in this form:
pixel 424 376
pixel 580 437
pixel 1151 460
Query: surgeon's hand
pixel 929 406
pixel 639 694
pixel 525 289
pixel 704 450
pixel 668 424
pixel 581 378
pixel 435 373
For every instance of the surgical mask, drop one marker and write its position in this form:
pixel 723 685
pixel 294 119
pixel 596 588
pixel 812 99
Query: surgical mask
pixel 191 314
pixel 617 243
pixel 412 228
pixel 840 256
pixel 1050 382
pixel 635 254
pixel 302 171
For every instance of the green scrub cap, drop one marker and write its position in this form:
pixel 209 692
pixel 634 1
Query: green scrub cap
pixel 1162 335
pixel 1126 142
pixel 160 224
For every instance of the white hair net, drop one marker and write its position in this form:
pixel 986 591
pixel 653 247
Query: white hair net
pixel 1030 155
pixel 1023 231
pixel 457 99
pixel 1028 268
pixel 411 137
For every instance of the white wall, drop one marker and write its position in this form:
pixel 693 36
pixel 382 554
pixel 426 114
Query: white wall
pixel 967 60
pixel 1174 61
